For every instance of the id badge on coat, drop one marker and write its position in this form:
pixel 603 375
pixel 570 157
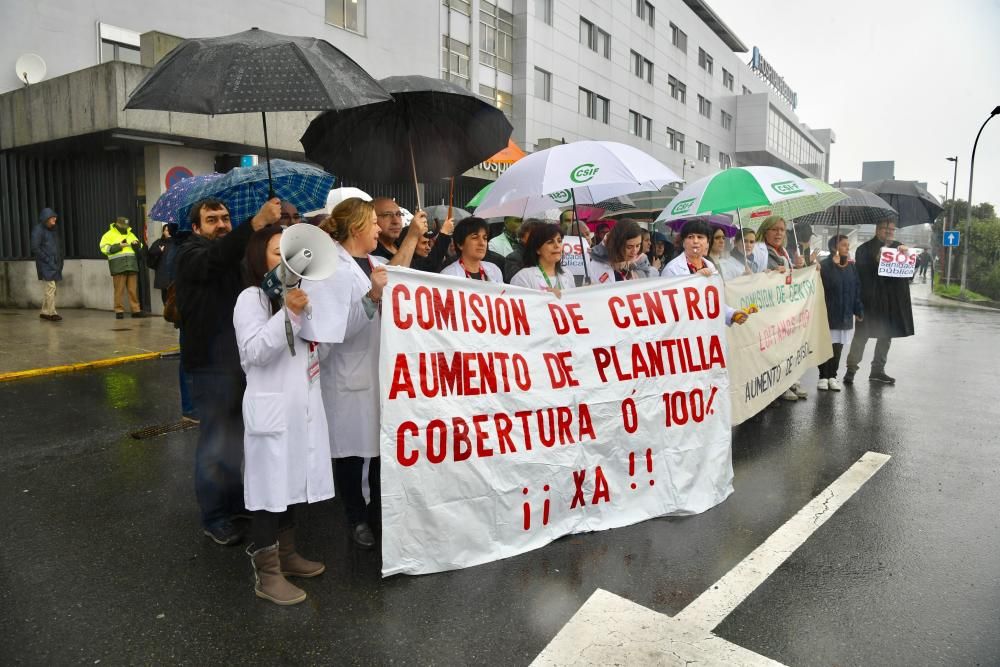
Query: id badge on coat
pixel 312 371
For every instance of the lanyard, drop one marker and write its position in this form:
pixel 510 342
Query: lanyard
pixel 693 269
pixel 482 274
pixel 546 276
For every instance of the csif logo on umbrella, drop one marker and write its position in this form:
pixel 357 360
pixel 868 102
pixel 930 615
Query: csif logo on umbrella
pixel 561 197
pixel 682 207
pixel 584 172
pixel 786 187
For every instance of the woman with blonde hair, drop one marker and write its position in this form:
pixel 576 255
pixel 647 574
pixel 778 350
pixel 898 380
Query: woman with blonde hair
pixel 349 374
pixel 770 249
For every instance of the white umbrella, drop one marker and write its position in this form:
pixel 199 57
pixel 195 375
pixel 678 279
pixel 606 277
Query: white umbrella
pixel 583 172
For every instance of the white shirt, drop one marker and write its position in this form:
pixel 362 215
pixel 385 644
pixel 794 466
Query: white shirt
pixel 531 277
pixel 493 273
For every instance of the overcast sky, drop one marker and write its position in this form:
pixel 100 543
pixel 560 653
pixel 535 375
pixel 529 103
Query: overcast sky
pixel 896 80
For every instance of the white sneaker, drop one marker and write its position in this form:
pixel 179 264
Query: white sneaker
pixel 789 395
pixel 834 385
pixel 799 391
pixel 823 384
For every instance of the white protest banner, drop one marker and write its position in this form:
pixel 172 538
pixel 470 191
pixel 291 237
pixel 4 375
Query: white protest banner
pixel 895 264
pixel 575 252
pixel 511 417
pixel 776 345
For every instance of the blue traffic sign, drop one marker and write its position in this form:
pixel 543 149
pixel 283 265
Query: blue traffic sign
pixel 951 239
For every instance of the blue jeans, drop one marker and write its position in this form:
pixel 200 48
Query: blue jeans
pixel 218 461
pixel 184 381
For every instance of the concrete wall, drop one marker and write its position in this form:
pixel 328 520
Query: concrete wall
pixel 86 283
pixel 65 33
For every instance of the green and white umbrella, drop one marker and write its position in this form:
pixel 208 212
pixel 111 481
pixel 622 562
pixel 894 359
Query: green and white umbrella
pixel 736 189
pixel 826 196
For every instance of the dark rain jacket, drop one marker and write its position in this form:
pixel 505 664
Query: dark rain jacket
pixel 888 313
pixel 45 248
pixel 208 280
pixel 842 289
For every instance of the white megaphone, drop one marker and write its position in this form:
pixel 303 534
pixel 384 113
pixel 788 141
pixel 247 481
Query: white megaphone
pixel 307 253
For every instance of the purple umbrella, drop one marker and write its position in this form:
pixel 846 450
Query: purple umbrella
pixel 723 222
pixel 170 202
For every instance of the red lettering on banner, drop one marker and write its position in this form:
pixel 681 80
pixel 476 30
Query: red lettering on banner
pixel 630 416
pixel 398 318
pixel 504 425
pixel 458 310
pixel 460 434
pixel 565 317
pixel 401 455
pixel 586 424
pixel 691 298
pixel 482 451
pixel 401 379
pixel 579 476
pixel 653 359
pixel 442 441
pixel 439 455
pixel 712 301
pixel 601 491
pixel 644 308
pixel 560 370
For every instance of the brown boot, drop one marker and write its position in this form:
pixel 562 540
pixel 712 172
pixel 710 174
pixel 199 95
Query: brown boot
pixel 270 584
pixel 292 564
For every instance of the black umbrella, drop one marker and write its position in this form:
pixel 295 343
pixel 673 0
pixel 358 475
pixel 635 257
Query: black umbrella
pixel 431 127
pixel 914 204
pixel 255 71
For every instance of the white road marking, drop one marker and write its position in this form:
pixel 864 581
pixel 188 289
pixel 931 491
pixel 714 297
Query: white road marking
pixel 610 630
pixel 712 606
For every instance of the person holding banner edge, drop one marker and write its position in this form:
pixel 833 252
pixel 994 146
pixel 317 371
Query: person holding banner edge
pixel 770 249
pixel 286 444
pixel 694 238
pixel 349 374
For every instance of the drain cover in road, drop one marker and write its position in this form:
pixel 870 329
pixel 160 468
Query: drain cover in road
pixel 153 431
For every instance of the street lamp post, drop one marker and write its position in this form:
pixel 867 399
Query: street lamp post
pixel 968 216
pixel 954 222
pixel 684 166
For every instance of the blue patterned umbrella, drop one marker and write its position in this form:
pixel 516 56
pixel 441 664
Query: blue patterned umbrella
pixel 245 189
pixel 166 207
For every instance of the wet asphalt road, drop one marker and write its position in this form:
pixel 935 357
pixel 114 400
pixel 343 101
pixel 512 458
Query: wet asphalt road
pixel 103 560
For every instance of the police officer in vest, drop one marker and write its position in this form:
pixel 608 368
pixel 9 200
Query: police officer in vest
pixel 121 246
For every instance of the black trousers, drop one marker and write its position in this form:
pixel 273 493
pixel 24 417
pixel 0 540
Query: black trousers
pixel 828 369
pixel 347 474
pixel 266 525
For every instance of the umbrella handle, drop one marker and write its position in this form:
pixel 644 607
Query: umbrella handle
pixel 267 157
pixel 413 166
pixel 451 197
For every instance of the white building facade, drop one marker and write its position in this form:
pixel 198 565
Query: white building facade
pixel 667 76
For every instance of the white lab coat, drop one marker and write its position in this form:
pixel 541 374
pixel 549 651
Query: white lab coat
pixel 349 374
pixel 531 277
pixel 492 271
pixel 286 451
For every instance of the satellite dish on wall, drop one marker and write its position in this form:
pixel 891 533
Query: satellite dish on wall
pixel 30 68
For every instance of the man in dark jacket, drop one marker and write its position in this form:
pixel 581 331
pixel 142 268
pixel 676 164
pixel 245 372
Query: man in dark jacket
pixel 208 281
pixel 48 261
pixel 888 313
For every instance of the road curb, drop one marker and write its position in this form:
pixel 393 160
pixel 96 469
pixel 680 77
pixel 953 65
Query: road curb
pixel 83 366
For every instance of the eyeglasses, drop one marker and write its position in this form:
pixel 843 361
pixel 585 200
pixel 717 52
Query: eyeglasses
pixel 390 214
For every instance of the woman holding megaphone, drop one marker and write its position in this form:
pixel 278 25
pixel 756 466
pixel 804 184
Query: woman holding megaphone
pixel 285 442
pixel 350 372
